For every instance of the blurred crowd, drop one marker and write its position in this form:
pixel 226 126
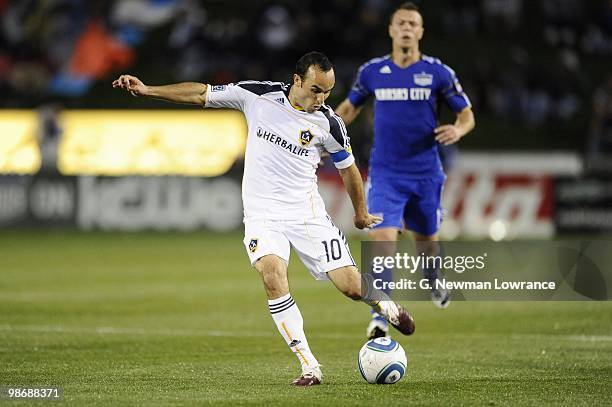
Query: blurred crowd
pixel 529 62
pixel 539 75
pixel 599 153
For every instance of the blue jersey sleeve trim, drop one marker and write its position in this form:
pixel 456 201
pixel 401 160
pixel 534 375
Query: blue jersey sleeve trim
pixel 347 162
pixel 339 156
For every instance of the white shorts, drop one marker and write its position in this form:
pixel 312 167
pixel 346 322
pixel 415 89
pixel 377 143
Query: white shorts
pixel 321 246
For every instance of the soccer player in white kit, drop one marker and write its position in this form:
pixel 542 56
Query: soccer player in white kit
pixel 289 126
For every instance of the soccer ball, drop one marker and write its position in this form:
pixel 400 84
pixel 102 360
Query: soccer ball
pixel 382 361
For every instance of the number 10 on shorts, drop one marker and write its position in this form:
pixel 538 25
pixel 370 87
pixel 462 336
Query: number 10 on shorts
pixel 333 250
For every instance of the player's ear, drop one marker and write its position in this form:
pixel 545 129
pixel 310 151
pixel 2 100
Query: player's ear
pixel 297 81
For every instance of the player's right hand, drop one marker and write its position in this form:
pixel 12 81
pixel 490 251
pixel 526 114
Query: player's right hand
pixel 367 222
pixel 130 83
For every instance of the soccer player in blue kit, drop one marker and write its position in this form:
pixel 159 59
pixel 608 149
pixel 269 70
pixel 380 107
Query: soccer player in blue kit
pixel 406 176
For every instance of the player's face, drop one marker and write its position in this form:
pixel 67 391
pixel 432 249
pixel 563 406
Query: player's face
pixel 314 89
pixel 406 28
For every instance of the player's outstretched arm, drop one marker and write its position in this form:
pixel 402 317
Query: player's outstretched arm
pixel 347 111
pixel 354 186
pixel 452 133
pixel 186 92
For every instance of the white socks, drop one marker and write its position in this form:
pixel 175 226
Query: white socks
pixel 290 324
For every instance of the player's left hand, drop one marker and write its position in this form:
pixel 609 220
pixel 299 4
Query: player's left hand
pixel 447 134
pixel 130 83
pixel 367 221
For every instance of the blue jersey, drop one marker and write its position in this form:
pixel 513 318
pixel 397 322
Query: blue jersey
pixel 405 112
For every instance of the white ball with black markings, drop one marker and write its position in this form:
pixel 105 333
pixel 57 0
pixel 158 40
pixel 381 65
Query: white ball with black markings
pixel 382 361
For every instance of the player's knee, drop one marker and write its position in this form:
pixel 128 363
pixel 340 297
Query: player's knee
pixel 384 234
pixel 428 247
pixel 272 275
pixel 273 272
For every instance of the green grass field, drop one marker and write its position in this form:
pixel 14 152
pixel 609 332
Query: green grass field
pixel 182 319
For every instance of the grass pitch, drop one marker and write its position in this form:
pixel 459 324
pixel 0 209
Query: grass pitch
pixel 182 319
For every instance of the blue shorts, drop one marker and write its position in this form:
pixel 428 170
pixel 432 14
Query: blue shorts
pixel 411 203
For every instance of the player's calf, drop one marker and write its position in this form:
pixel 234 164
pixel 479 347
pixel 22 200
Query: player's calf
pixel 348 281
pixel 441 297
pixel 273 271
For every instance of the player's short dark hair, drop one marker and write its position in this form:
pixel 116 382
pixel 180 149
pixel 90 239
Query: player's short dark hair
pixel 410 6
pixel 318 59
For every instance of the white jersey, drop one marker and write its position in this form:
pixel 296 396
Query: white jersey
pixel 284 147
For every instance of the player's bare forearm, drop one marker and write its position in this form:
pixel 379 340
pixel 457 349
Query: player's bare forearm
pixel 351 177
pixel 465 121
pixel 452 133
pixel 347 111
pixel 186 92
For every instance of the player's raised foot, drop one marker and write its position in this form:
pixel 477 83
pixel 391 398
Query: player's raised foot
pixel 310 377
pixel 440 298
pixel 378 327
pixel 397 316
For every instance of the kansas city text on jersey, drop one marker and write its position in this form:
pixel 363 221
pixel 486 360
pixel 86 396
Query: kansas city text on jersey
pixel 402 93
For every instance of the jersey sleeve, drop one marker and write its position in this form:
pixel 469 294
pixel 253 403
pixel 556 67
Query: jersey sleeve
pixel 360 90
pixel 451 90
pixel 338 143
pixel 230 96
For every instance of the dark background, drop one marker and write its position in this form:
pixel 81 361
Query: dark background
pixel 538 72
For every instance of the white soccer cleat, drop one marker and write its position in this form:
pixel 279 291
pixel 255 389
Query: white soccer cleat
pixel 377 328
pixel 311 376
pixel 396 315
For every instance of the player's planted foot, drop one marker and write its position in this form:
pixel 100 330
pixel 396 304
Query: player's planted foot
pixel 397 316
pixel 440 298
pixel 309 377
pixel 378 327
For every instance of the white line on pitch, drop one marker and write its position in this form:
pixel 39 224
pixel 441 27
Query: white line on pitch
pixel 107 330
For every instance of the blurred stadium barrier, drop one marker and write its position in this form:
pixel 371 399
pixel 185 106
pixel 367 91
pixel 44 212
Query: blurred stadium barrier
pixel 19 152
pixel 491 195
pixel 145 142
pixel 168 170
pixel 116 142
